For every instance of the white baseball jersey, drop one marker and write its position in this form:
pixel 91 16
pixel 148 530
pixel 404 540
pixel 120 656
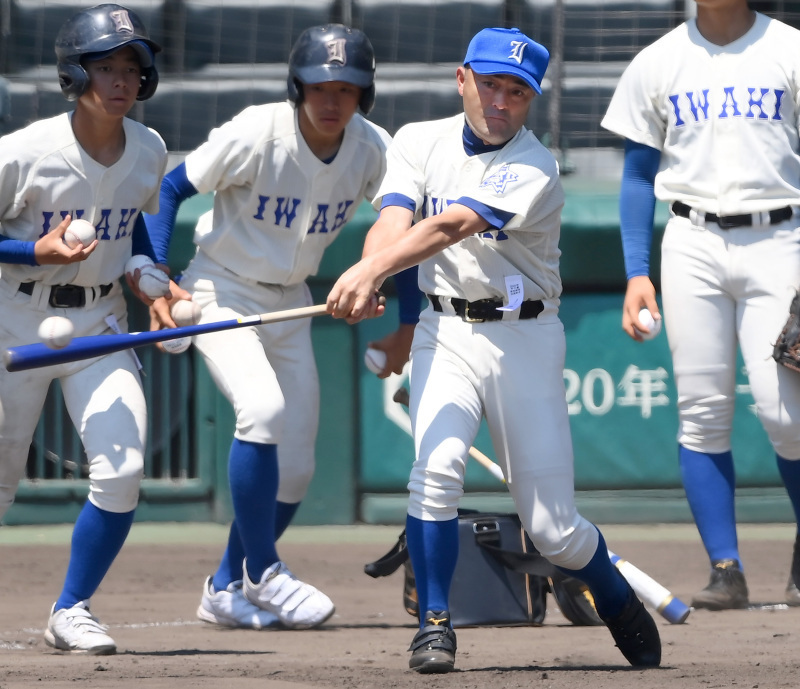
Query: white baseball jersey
pixel 723 117
pixel 277 206
pixel 45 175
pixel 428 164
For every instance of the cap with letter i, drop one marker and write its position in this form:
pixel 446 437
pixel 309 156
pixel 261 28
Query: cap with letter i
pixel 508 51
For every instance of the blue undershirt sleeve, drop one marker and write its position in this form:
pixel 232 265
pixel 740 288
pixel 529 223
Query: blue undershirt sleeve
pixel 637 204
pixel 175 189
pixel 140 241
pixel 409 295
pixel 17 251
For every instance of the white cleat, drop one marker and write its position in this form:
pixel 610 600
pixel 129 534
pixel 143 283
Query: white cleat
pixel 76 630
pixel 297 605
pixel 229 608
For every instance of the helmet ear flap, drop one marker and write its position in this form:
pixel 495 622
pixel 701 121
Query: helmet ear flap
pixel 149 83
pixel 295 88
pixel 367 99
pixel 73 80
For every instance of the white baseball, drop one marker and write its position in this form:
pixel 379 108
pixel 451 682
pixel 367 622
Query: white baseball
pixel 375 360
pixel 153 282
pixel 56 332
pixel 79 232
pixel 653 325
pixel 185 312
pixel 177 346
pixel 138 261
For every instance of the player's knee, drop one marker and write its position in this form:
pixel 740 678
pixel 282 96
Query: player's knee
pixel 118 492
pixel 294 481
pixel 706 431
pixel 571 548
pixel 434 496
pixel 256 424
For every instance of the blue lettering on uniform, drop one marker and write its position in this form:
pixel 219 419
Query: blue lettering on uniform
pixel 320 222
pixel 341 214
pixel 47 217
pixel 282 211
pixel 778 98
pixel 262 204
pixel 757 103
pixel 497 235
pixel 125 217
pixel 698 104
pixel 729 102
pixel 103 225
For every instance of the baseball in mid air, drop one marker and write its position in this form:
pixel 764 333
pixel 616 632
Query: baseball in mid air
pixel 185 312
pixel 653 325
pixel 153 282
pixel 79 232
pixel 375 360
pixel 56 332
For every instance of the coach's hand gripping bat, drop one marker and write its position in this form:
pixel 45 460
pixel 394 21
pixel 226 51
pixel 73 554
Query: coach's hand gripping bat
pixel 646 588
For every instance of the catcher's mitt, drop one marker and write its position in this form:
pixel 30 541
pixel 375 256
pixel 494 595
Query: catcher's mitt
pixel 787 349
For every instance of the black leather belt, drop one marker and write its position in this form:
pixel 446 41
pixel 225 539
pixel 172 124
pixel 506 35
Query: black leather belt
pixel 484 309
pixel 728 222
pixel 67 296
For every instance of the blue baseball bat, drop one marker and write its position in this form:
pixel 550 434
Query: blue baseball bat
pixel 38 355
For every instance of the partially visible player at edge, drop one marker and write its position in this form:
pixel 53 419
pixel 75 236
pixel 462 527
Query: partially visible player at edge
pixel 95 164
pixel 486 197
pixel 710 118
pixel 287 177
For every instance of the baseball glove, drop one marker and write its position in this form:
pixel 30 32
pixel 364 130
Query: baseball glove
pixel 787 349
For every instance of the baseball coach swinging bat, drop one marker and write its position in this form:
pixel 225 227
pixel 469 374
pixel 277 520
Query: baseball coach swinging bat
pixel 38 355
pixel 646 588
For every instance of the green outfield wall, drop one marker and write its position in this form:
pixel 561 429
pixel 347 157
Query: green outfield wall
pixel 620 394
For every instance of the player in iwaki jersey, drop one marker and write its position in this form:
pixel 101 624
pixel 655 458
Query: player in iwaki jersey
pixel 476 201
pixel 287 177
pixel 710 116
pixel 97 165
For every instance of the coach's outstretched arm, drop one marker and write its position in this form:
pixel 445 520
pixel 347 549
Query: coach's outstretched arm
pixel 350 296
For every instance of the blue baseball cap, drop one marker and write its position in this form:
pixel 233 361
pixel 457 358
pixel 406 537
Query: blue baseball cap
pixel 508 51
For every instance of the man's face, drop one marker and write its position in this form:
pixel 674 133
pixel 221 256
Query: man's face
pixel 329 106
pixel 496 106
pixel 113 82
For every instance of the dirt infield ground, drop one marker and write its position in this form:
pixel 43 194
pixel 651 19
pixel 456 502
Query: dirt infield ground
pixel 150 596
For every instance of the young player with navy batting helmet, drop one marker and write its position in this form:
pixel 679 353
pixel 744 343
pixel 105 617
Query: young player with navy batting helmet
pixel 476 201
pixel 97 165
pixel 710 116
pixel 287 177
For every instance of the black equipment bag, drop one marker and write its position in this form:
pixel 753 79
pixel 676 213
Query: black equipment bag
pixel 500 578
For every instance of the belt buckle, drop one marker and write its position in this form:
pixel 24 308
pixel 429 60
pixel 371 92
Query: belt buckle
pixel 468 317
pixel 726 224
pixel 72 298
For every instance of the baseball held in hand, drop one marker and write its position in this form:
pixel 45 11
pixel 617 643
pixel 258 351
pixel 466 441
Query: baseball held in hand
pixel 375 360
pixel 56 332
pixel 153 282
pixel 185 312
pixel 177 346
pixel 653 325
pixel 138 261
pixel 79 232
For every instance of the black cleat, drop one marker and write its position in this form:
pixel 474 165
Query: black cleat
pixel 433 649
pixel 726 590
pixel 636 634
pixel 792 591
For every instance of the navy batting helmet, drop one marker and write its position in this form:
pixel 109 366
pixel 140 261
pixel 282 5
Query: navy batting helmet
pixel 333 52
pixel 95 33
